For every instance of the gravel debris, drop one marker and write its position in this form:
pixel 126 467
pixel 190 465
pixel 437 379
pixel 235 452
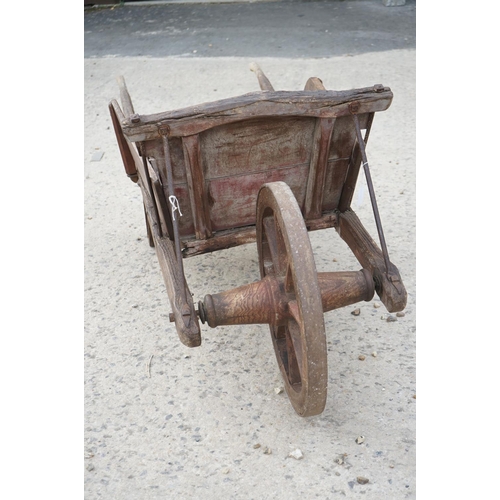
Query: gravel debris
pixel 268 451
pixel 400 314
pixel 360 439
pixel 391 318
pixel 255 446
pixel 278 390
pixel 362 480
pixel 297 454
pixel 97 156
pixel 356 312
pixel 361 357
pixel 374 354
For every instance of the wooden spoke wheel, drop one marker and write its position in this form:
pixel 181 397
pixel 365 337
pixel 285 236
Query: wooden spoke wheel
pixel 298 335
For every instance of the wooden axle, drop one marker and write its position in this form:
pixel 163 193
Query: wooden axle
pixel 266 301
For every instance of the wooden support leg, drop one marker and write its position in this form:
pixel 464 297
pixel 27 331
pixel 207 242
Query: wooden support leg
pixel 181 301
pixel 389 286
pixel 185 316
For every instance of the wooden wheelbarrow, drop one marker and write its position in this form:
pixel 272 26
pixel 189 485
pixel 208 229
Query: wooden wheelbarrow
pixel 267 166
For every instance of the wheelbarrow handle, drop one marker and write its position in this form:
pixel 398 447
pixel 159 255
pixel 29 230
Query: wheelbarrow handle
pixel 264 83
pixel 127 106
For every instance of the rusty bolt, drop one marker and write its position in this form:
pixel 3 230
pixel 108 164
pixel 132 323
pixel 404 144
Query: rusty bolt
pixel 135 118
pixel 353 107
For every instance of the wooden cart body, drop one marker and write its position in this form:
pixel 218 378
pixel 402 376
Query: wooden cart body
pixel 200 170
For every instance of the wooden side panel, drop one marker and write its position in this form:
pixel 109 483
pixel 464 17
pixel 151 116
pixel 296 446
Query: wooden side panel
pixel 230 163
pixel 154 149
pixel 234 198
pixel 341 149
pixel 334 180
pixel 237 159
pixel 256 146
pixel 354 166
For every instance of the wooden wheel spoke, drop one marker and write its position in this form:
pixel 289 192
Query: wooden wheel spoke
pixel 275 246
pixel 293 309
pixel 289 348
pixel 289 281
pixel 269 245
pixel 293 354
pixel 282 254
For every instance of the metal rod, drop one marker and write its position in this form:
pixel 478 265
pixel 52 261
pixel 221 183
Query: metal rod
pixel 175 222
pixel 369 182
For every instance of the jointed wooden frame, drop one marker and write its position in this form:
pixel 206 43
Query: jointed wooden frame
pixel 214 158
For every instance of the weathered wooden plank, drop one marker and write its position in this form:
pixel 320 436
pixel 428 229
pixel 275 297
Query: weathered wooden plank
pixel 154 150
pixel 180 298
pixel 317 169
pixel 234 198
pixel 128 107
pixel 219 241
pixel 351 178
pixel 197 188
pixel 264 82
pixel 391 291
pixel 334 180
pixel 256 145
pixel 307 98
pixel 319 104
pixel 126 149
pixel 240 236
pixel 148 229
pixel 186 320
pixel 314 83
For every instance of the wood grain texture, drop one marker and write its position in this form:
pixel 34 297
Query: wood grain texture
pixel 319 104
pixel 317 168
pixel 240 236
pixel 124 146
pixel 234 198
pixel 186 319
pixel 389 287
pixel 197 188
pixel 264 82
pixel 256 145
pixel 348 187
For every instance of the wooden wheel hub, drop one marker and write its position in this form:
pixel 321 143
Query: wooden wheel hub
pixel 267 302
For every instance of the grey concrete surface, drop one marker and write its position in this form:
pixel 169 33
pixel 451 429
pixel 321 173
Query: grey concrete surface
pixel 189 426
pixel 279 29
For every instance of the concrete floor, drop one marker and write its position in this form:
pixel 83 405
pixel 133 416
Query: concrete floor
pixel 290 29
pixel 190 426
